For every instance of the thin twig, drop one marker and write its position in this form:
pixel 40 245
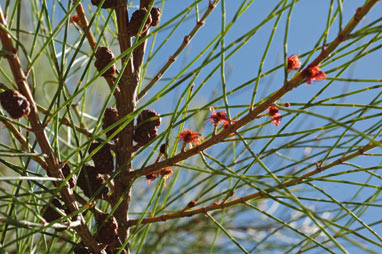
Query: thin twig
pixel 256 195
pixel 28 224
pixel 185 42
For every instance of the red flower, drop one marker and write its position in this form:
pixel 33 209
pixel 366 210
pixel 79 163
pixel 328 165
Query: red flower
pixel 313 73
pixel 275 115
pixel 293 63
pixel 188 137
pixel 217 117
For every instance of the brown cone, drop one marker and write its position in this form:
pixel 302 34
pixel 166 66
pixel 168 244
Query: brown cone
pixel 146 130
pixel 107 230
pixel 109 118
pixel 103 159
pixel 155 14
pixel 14 103
pixel 49 213
pixel 92 183
pixel 104 56
pixel 66 172
pixel 106 4
pixel 136 21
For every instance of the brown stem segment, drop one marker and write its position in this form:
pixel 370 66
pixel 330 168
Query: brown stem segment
pixel 253 114
pixel 42 139
pixel 128 85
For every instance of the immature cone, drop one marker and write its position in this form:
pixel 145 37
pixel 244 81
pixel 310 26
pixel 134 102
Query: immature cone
pixel 136 21
pixel 106 4
pixel 155 14
pixel 15 103
pixel 109 118
pixel 107 231
pixel 104 56
pixel 81 249
pixel 146 129
pixel 103 158
pixel 49 213
pixel 92 183
pixel 66 172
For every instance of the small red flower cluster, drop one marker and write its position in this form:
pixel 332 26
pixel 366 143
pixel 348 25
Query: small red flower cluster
pixel 275 115
pixel 189 136
pixel 293 63
pixel 218 117
pixel 313 73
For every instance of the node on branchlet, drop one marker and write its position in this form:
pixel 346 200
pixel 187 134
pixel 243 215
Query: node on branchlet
pixel 105 56
pixel 146 129
pixel 106 4
pixel 110 117
pixel 15 103
pixel 191 204
pixel 166 172
pixel 155 15
pixel 90 181
pixel 136 21
pixel 107 231
pixel 103 158
pixel 51 214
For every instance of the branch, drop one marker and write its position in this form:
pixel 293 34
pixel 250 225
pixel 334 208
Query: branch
pixel 28 224
pixel 42 139
pixel 256 195
pixel 172 58
pixel 253 114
